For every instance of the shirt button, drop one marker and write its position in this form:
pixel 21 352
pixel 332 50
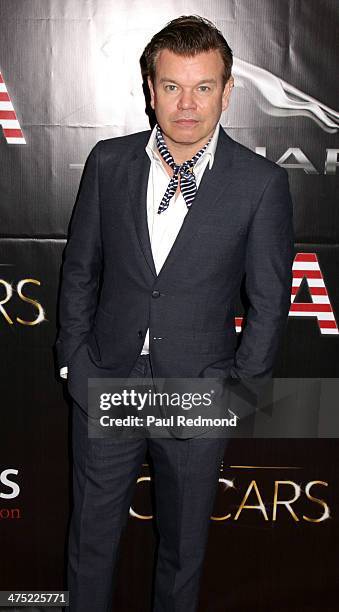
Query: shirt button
pixel 155 294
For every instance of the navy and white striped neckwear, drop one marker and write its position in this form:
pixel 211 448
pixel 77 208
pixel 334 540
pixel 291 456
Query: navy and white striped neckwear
pixel 188 185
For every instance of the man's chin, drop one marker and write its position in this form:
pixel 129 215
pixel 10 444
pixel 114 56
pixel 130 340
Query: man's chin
pixel 184 136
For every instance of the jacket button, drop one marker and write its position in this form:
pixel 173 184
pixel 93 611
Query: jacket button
pixel 140 333
pixel 155 294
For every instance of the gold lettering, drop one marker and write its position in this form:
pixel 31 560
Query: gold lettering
pixel 9 293
pixel 37 305
pixel 143 517
pixel 286 502
pixel 317 500
pixel 228 485
pixel 260 506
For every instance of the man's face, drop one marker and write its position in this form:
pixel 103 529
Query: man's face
pixel 188 96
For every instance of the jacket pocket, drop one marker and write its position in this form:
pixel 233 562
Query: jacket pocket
pixel 207 343
pixel 93 347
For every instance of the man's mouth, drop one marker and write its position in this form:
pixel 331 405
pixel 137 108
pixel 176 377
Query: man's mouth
pixel 186 122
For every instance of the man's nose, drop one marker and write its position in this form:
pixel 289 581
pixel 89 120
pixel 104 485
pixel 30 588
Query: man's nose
pixel 186 100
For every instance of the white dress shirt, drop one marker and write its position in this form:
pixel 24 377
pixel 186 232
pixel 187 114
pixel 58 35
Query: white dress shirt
pixel 164 228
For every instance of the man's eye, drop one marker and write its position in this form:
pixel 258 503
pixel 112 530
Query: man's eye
pixel 204 88
pixel 170 87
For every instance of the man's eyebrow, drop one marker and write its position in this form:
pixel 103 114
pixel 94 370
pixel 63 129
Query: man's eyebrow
pixel 167 80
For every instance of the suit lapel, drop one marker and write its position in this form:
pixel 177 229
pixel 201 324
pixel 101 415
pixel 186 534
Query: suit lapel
pixel 213 183
pixel 138 172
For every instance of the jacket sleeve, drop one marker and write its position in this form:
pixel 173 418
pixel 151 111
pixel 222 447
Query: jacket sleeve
pixel 268 279
pixel 82 265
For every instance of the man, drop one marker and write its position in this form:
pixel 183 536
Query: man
pixel 165 228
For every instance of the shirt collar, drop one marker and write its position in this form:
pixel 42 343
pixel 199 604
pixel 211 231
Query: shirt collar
pixel 152 149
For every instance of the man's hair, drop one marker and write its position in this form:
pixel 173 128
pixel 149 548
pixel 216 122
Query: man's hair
pixel 187 35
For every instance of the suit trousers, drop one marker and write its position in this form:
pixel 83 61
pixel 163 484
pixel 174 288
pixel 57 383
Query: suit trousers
pixel 105 471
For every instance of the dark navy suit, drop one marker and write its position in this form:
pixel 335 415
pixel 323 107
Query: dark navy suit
pixel 239 225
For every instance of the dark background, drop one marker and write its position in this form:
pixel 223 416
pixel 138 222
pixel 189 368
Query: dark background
pixel 72 73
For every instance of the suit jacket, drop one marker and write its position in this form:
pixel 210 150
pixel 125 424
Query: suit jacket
pixel 240 224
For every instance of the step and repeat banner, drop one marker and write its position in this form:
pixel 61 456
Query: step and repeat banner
pixel 70 76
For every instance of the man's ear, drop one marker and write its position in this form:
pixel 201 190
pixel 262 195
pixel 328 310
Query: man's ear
pixel 151 90
pixel 227 92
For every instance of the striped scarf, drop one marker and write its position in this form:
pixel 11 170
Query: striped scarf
pixel 188 184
